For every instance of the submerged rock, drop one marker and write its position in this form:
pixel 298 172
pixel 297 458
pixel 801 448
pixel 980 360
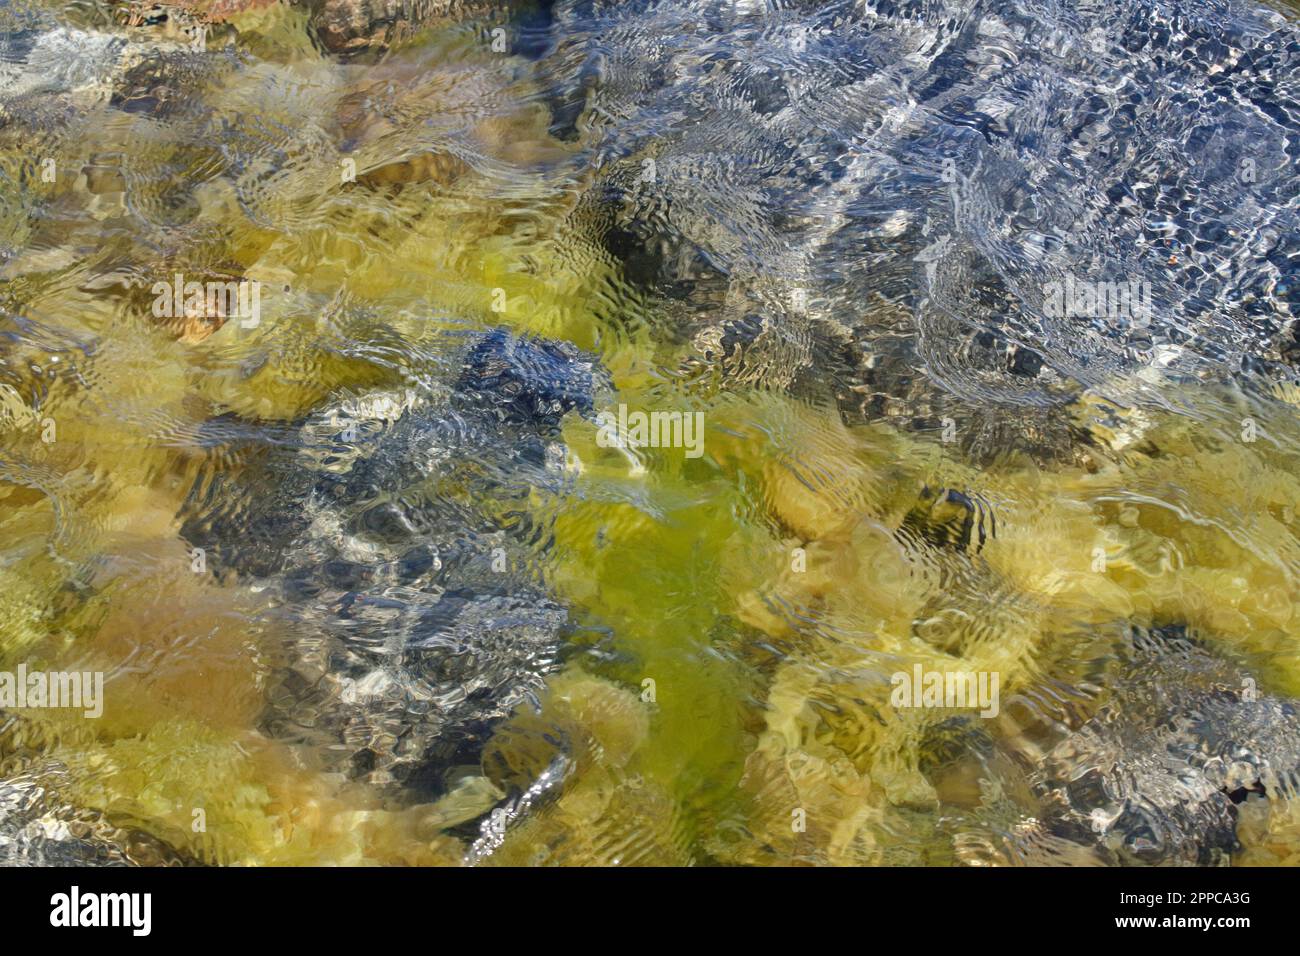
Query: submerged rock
pixel 50 64
pixel 892 198
pixel 394 533
pixel 37 829
pixel 352 27
pixel 1157 774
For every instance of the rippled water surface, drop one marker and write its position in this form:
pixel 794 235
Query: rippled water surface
pixel 976 321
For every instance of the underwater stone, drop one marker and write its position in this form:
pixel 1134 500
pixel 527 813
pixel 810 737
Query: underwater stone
pixel 36 829
pixel 524 381
pixel 1157 773
pixel 400 561
pixel 353 27
pixel 912 191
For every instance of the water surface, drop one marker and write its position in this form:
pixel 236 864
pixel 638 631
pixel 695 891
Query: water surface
pixel 365 589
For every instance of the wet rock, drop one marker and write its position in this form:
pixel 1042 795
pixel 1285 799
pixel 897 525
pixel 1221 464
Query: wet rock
pixel 394 531
pixel 915 180
pixel 80 68
pixel 526 382
pixel 353 27
pixel 63 92
pixel 437 112
pixel 947 518
pixel 59 61
pixel 1157 773
pixel 37 829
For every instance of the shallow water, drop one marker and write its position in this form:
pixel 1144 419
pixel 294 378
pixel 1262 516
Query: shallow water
pixel 371 579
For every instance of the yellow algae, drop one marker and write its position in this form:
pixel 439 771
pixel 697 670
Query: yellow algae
pixel 23 614
pixel 606 813
pixel 805 802
pixel 853 593
pixel 254 807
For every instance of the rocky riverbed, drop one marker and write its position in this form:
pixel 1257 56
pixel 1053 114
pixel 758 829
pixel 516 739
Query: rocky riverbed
pixel 352 354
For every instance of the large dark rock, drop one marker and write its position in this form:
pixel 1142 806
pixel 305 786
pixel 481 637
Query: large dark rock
pixel 876 200
pixel 393 532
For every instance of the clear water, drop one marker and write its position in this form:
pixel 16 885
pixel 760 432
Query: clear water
pixel 365 585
